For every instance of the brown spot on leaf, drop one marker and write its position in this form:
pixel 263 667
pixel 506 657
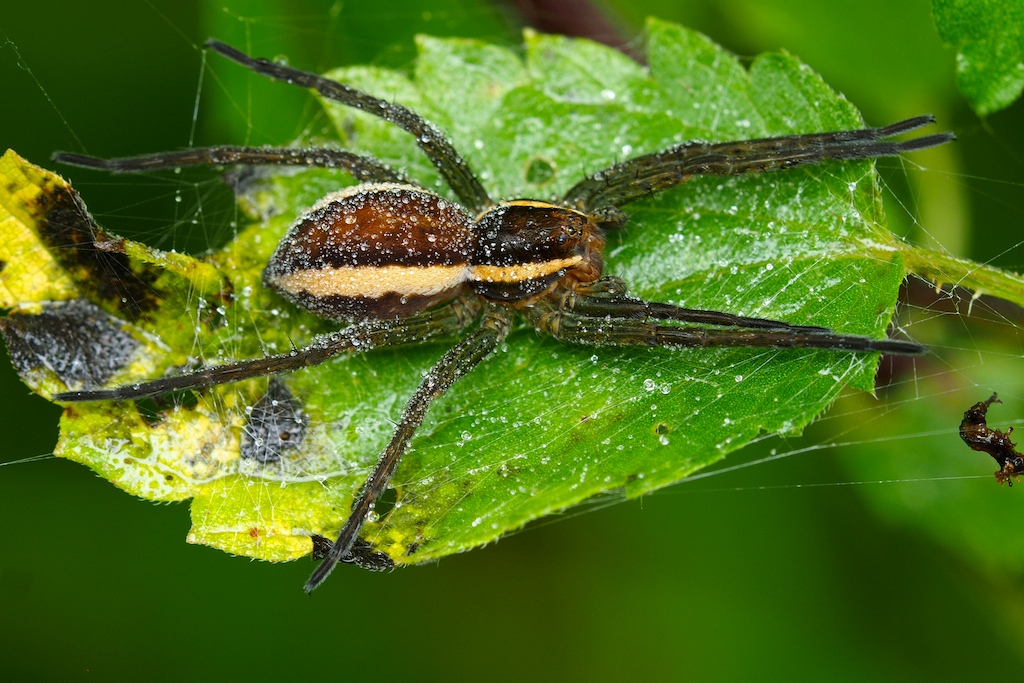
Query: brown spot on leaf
pixel 71 235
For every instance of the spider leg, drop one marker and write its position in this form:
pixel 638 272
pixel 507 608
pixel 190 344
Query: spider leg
pixel 644 175
pixel 431 140
pixel 630 308
pixel 603 287
pixel 458 361
pixel 363 168
pixel 360 336
pixel 613 329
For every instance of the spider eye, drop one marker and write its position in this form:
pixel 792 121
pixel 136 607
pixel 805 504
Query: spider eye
pixel 566 233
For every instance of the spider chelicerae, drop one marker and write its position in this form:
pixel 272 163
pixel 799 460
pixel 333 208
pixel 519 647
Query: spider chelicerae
pixel 402 265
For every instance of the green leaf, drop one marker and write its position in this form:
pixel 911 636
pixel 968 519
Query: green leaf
pixel 540 426
pixel 989 39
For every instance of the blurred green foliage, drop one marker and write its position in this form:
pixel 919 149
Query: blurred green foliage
pixel 989 39
pixel 738 577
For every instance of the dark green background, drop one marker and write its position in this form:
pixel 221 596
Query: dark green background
pixel 707 581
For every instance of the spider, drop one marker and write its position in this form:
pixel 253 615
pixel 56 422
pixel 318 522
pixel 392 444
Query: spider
pixel 401 264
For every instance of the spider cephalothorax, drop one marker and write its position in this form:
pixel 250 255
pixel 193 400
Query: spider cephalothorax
pixel 407 265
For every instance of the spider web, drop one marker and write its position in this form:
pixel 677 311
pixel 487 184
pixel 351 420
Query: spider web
pixel 900 450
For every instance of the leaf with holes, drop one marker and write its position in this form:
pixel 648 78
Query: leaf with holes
pixel 540 426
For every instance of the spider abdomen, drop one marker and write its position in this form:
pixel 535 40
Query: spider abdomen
pixel 373 251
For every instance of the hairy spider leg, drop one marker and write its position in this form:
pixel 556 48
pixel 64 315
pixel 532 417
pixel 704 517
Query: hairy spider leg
pixel 360 336
pixel 627 307
pixel 458 361
pixel 611 329
pixel 361 167
pixel 432 141
pixel 645 175
pixel 607 298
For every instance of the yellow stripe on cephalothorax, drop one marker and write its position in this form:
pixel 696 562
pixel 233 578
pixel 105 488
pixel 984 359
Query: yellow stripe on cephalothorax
pixel 532 203
pixel 522 272
pixel 373 281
